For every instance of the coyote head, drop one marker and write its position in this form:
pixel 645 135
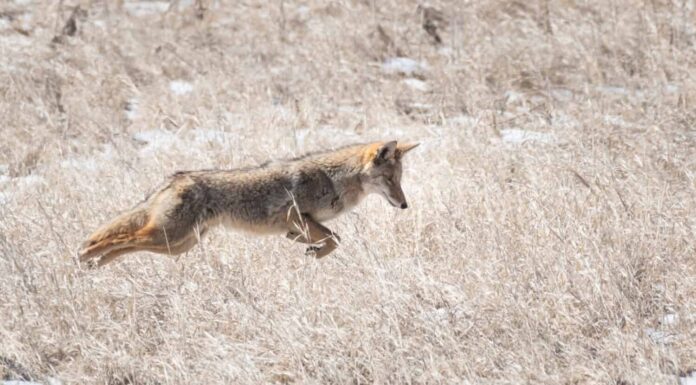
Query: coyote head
pixel 382 171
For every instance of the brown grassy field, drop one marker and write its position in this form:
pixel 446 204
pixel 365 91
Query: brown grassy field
pixel 550 237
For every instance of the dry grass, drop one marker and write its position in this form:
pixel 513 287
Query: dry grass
pixel 568 259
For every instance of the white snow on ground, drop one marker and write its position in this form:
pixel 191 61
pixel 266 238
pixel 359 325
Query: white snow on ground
pixel 514 135
pixel 26 20
pixel 513 96
pixel 671 88
pixel 615 120
pixel 18 186
pixel 443 315
pixel 29 181
pixel 417 84
pixel 90 162
pixel 659 337
pixel 561 119
pixel 302 12
pixel 403 65
pixel 180 87
pixel 300 136
pixel 329 135
pixel 612 90
pixel 201 136
pixel 155 140
pixel 145 8
pixel 689 379
pixel 562 94
pixel 669 319
pixel 49 381
pixel 132 108
pixel 418 107
pixel 463 120
pixel 662 335
pixel 158 140
pixel 20 383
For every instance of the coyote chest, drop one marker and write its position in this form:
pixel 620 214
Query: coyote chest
pixel 324 194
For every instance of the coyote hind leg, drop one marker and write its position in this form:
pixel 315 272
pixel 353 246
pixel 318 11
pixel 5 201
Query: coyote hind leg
pixel 171 249
pixel 304 229
pixel 148 238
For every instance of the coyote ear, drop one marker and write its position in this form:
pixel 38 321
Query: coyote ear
pixel 386 152
pixel 402 149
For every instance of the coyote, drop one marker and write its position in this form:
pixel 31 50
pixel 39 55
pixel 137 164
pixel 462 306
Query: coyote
pixel 292 196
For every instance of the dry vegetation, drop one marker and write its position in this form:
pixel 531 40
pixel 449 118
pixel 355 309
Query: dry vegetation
pixel 568 258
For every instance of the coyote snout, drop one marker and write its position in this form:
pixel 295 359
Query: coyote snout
pixel 292 197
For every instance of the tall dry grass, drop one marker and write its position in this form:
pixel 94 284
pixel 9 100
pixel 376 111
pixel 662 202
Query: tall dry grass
pixel 568 258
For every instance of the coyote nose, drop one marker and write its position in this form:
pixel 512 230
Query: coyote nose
pixel 404 205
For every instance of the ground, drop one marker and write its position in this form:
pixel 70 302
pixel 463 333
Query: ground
pixel 550 235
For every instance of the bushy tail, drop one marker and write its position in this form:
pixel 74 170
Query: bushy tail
pixel 117 234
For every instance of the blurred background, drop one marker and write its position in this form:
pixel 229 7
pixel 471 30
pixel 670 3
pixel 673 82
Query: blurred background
pixel 550 237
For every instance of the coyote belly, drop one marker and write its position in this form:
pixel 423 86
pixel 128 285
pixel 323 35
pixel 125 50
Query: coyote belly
pixel 290 197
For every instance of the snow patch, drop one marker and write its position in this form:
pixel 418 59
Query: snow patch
pixel 464 120
pixel 688 379
pixel 513 96
pixel 403 65
pixel 153 136
pixel 31 180
pixel 561 119
pixel 5 24
pixel 330 135
pixel 202 136
pixel 660 337
pixel 615 120
pixel 99 24
pixel 562 94
pixel 54 381
pixel 26 20
pixel 146 8
pixel 90 162
pixel 443 315
pixel 446 52
pixel 613 90
pixel 157 140
pixel 300 136
pixel 302 12
pixel 131 108
pixel 671 88
pixel 13 382
pixel 669 319
pixel 517 136
pixel 417 84
pixel 180 87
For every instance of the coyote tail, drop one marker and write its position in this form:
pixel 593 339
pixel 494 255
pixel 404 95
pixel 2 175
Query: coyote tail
pixel 117 234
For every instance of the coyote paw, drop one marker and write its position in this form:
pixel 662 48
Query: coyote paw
pixel 91 264
pixel 312 251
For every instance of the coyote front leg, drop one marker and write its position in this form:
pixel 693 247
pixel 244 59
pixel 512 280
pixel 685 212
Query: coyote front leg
pixel 304 229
